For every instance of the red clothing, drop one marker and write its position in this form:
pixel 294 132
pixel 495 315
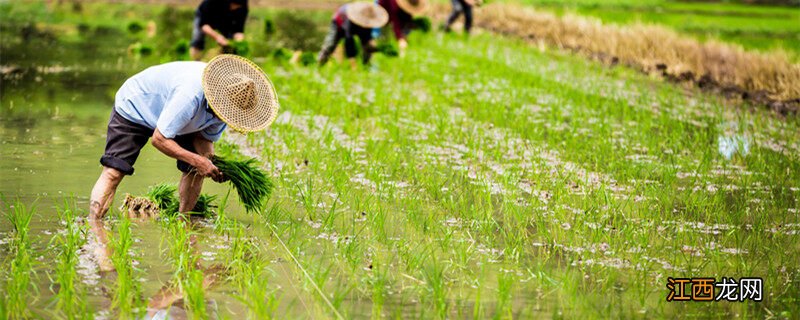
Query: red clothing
pixel 400 20
pixel 340 16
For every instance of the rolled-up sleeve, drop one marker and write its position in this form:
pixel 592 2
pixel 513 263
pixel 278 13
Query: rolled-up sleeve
pixel 178 112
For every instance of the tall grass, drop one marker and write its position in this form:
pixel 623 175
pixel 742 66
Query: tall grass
pixel 18 290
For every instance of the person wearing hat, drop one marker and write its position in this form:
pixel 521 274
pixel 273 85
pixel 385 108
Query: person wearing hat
pixel 461 7
pixel 184 107
pixel 401 16
pixel 222 20
pixel 353 20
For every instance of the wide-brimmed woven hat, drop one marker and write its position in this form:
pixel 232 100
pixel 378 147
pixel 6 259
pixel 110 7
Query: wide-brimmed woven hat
pixel 413 7
pixel 240 93
pixel 367 14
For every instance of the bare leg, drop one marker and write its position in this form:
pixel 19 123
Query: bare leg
pixel 192 184
pixel 103 192
pixel 101 199
pixel 189 191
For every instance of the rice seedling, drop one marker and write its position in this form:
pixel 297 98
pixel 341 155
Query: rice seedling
pixel 422 23
pixel 187 273
pixel 435 187
pixel 205 205
pixel 251 183
pixel 164 196
pixel 71 296
pixel 249 273
pixel 194 293
pixel 127 292
pixel 18 287
pixel 388 48
pixel 654 49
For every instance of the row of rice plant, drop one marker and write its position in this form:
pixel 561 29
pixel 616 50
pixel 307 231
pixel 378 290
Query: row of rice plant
pixel 71 294
pixel 17 286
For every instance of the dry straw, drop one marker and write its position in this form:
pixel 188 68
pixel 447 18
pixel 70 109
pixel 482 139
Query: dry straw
pixel 770 76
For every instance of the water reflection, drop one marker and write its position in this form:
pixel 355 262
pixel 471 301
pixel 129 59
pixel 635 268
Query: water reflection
pixel 169 301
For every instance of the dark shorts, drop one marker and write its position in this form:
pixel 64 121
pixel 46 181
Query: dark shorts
pixel 198 36
pixel 126 139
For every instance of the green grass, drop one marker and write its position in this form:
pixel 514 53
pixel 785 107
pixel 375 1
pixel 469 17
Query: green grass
pixel 484 178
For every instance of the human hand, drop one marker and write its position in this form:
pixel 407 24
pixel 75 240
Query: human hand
pixel 222 41
pixel 206 168
pixel 402 44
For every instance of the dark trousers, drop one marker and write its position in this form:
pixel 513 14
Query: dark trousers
pixel 337 34
pixel 459 7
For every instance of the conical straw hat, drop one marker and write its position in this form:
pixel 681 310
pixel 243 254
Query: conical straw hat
pixel 240 93
pixel 413 7
pixel 367 14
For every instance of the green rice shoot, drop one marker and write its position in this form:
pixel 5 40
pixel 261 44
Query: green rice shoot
pixel 251 183
pixel 164 196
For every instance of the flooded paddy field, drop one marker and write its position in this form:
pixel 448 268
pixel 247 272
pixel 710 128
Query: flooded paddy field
pixel 475 178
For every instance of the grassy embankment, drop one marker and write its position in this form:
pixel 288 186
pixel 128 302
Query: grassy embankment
pixel 757 27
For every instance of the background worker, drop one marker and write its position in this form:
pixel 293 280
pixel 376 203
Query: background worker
pixel 461 7
pixel 401 16
pixel 353 20
pixel 222 20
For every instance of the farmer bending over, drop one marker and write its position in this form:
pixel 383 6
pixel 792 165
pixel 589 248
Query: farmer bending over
pixel 184 106
pixel 461 7
pixel 221 20
pixel 401 15
pixel 353 20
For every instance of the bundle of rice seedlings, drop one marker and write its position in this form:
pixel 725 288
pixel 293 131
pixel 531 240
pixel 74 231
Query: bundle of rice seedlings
pixel 308 58
pixel 387 48
pixel 163 195
pixel 251 183
pixel 205 205
pixel 422 23
pixel 139 207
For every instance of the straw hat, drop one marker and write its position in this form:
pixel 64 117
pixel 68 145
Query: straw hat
pixel 240 93
pixel 413 7
pixel 367 14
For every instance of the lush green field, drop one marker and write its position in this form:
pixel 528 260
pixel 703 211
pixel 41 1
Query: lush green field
pixel 751 26
pixel 477 177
